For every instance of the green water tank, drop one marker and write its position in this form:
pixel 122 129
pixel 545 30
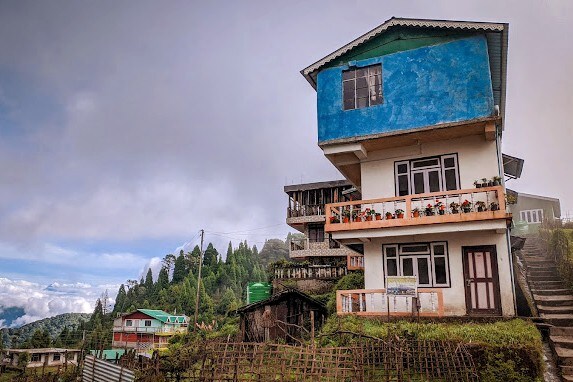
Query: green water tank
pixel 258 292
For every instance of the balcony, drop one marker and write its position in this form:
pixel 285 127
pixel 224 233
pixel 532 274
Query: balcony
pixel 458 206
pixel 310 272
pixel 304 248
pixel 375 302
pixel 167 330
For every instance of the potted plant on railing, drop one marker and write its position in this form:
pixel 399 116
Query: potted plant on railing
pixel 477 184
pixel 346 216
pixel 440 207
pixel 484 182
pixel 481 207
pixel 334 219
pixel 490 183
pixel 377 215
pixel 389 215
pixel 429 211
pixel 416 212
pixel 369 214
pixel 399 213
pixel 497 181
pixel 357 216
pixel 466 206
pixel 493 206
pixel 455 208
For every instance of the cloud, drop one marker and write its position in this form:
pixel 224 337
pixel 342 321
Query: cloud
pixel 41 301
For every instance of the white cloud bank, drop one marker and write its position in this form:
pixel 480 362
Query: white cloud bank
pixel 42 301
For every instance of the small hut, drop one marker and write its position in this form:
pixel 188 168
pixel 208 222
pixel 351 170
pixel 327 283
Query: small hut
pixel 288 315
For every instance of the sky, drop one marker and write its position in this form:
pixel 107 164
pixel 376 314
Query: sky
pixel 126 127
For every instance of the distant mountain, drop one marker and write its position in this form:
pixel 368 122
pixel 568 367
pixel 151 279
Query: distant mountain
pixel 9 314
pixel 54 325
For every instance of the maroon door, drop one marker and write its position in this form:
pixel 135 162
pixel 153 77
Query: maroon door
pixel 481 281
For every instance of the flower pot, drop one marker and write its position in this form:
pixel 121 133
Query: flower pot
pixel 400 216
pixel 455 211
pixel 378 217
pixel 416 214
pixel 389 217
pixel 369 218
pixel 480 209
pixel 478 185
pixel 484 184
pixel 497 183
pixel 495 208
pixel 357 219
pixel 442 212
pixel 467 209
pixel 490 183
pixel 346 219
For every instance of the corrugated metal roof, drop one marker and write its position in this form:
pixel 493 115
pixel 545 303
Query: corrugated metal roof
pixel 163 316
pixel 317 185
pixel 496 34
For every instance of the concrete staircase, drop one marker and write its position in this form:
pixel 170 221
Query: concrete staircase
pixel 554 302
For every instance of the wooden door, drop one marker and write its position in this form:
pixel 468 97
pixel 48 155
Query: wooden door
pixel 481 281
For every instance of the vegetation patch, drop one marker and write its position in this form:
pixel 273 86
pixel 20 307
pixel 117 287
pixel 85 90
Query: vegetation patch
pixel 502 351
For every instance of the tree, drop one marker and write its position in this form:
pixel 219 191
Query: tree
pixel 169 262
pixel 210 256
pixel 120 299
pixel 162 281
pixel 149 280
pixel 180 270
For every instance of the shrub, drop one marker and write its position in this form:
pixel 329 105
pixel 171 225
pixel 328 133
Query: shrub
pixel 502 351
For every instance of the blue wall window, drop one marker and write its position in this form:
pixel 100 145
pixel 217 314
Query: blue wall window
pixel 362 87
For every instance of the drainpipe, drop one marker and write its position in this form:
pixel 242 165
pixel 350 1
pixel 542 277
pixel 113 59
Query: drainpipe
pixel 507 236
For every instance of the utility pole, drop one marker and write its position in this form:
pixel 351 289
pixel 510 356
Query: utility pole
pixel 198 281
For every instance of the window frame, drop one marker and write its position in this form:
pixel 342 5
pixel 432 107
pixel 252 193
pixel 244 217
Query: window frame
pixel 527 215
pixel 147 323
pixel 129 323
pixel 440 167
pixel 399 256
pixel 36 357
pixel 318 230
pixel 374 74
pixel 58 355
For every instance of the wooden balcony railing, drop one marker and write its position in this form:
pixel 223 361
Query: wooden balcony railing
pixel 437 207
pixel 310 272
pixel 305 210
pixel 374 302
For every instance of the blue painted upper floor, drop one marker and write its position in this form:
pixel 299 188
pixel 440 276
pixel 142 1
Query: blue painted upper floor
pixel 430 85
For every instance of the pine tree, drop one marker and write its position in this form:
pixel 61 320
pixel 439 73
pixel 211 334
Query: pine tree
pixel 120 299
pixel 180 270
pixel 149 280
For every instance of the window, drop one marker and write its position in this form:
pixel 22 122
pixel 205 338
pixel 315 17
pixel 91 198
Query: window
pixel 147 323
pixel 36 357
pixel 427 175
pixel 532 216
pixel 316 233
pixel 362 87
pixel 427 261
pixel 128 323
pixel 56 357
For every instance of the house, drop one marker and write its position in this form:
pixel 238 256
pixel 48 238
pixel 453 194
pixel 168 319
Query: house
pixel 288 315
pixel 412 114
pixel 529 211
pixel 146 329
pixel 323 261
pixel 42 357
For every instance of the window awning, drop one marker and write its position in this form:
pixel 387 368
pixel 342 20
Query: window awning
pixel 512 166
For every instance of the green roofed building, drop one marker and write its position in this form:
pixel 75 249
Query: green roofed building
pixel 147 329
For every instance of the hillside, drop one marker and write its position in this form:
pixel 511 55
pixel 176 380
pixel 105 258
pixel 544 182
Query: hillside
pixel 54 325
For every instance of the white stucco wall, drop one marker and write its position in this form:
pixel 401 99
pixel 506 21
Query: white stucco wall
pixel 477 158
pixel 454 296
